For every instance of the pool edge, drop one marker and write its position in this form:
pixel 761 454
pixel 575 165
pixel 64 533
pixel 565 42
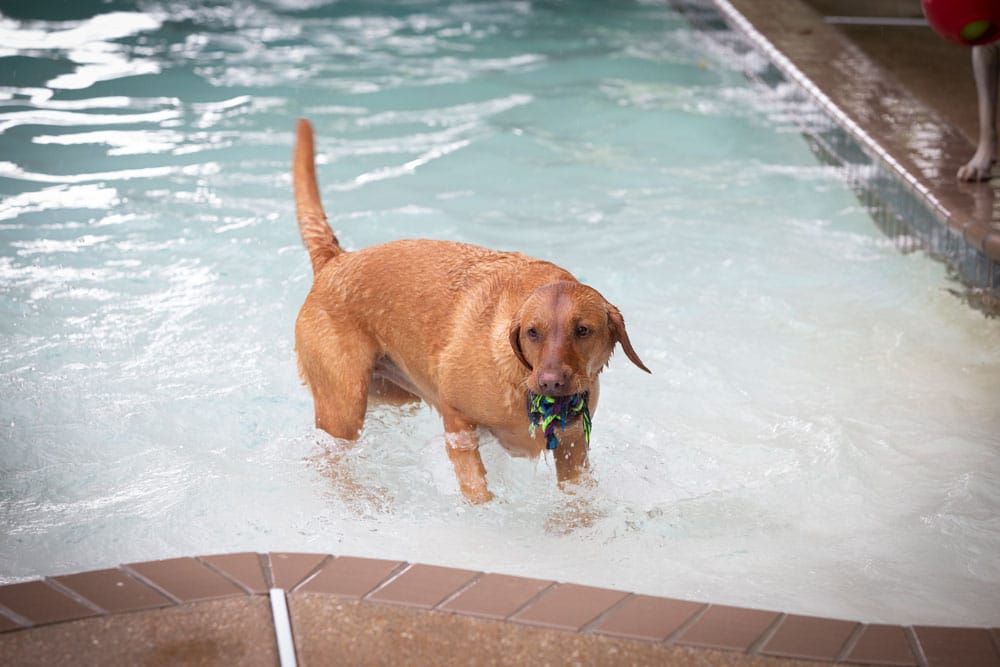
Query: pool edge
pixel 891 126
pixel 93 611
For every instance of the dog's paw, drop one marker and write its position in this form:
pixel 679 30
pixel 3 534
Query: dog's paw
pixel 576 514
pixel 360 495
pixel 578 510
pixel 477 495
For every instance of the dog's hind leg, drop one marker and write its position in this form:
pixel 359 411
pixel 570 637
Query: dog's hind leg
pixel 336 363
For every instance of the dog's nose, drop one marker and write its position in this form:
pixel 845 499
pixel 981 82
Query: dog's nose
pixel 552 381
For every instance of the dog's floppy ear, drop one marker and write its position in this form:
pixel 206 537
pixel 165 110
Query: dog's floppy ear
pixel 617 324
pixel 515 343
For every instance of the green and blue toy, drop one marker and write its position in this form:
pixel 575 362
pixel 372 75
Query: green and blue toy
pixel 551 411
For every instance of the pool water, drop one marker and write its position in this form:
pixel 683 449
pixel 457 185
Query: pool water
pixel 819 434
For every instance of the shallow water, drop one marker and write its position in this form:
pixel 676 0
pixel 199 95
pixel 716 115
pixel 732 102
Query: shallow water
pixel 819 434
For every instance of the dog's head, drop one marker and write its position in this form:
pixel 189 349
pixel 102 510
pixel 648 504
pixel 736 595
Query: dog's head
pixel 564 333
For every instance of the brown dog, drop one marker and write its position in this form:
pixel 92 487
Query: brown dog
pixel 468 330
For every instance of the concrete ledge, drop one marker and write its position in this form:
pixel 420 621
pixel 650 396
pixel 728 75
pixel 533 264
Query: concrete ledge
pixel 893 126
pixel 214 610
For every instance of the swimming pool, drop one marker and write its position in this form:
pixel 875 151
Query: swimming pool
pixel 819 431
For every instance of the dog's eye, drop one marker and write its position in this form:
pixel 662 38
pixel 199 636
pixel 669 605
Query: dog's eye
pixel 582 331
pixel 532 333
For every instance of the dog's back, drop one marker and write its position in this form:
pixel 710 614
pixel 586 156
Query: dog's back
pixel 420 298
pixel 408 292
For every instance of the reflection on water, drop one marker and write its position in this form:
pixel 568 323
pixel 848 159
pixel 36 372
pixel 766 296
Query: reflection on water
pixel 819 431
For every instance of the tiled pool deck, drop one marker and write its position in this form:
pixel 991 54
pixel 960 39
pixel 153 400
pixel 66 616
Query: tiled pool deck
pixel 346 610
pixel 902 109
pixel 916 141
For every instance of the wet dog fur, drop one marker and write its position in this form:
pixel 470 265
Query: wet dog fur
pixel 469 331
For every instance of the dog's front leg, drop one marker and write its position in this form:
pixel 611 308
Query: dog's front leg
pixel 462 444
pixel 572 460
pixel 573 473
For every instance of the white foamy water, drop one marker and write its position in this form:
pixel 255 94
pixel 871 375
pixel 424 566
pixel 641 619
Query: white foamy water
pixel 820 432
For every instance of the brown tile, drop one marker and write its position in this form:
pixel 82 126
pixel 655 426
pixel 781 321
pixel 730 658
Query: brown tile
pixel 288 570
pixel 186 579
pixel 245 569
pixel 496 595
pixel 957 647
pixel 113 590
pixel 646 617
pixel 423 586
pixel 350 577
pixel 8 624
pixel 882 645
pixel 569 606
pixel 809 637
pixel 40 603
pixel 729 628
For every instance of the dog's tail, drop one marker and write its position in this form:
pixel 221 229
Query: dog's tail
pixel 316 233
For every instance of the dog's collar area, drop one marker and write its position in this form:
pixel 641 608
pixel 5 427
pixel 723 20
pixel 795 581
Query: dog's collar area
pixel 548 412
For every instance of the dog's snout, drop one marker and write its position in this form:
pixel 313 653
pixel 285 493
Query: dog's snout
pixel 552 382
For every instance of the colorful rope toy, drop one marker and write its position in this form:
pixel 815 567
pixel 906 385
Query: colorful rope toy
pixel 549 411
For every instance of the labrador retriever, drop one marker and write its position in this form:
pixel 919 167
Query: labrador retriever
pixel 496 341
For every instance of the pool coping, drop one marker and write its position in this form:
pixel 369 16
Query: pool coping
pixel 719 634
pixel 896 130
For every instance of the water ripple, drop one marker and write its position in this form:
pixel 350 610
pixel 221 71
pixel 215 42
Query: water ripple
pixel 93 196
pixel 11 170
pixel 408 167
pixel 48 117
pixel 89 44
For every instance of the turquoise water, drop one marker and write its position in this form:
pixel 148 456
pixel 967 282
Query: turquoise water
pixel 818 435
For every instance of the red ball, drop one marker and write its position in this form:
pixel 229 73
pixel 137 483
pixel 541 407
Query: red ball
pixel 968 22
